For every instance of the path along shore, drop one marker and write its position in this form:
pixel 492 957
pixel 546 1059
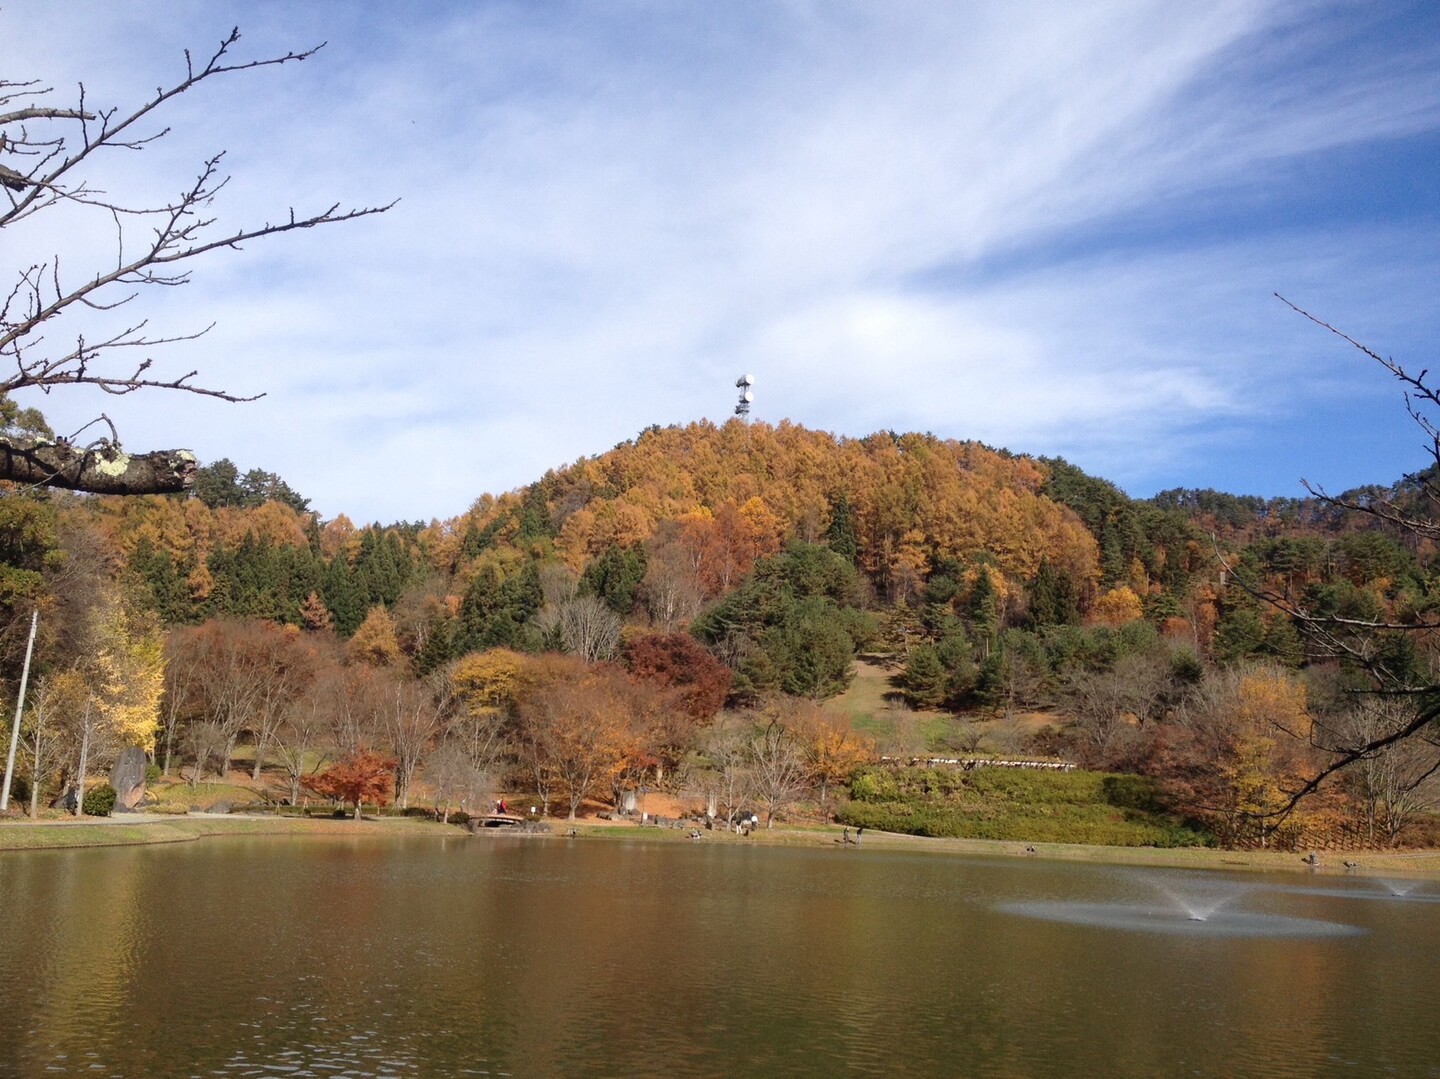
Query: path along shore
pixel 139 828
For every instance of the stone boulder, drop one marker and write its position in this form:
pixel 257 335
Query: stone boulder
pixel 128 779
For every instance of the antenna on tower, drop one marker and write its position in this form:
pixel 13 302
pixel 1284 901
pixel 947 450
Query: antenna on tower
pixel 743 383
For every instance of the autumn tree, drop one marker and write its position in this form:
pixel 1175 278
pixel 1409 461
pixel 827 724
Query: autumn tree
pixel 58 695
pixel 574 727
pixel 693 685
pixel 359 778
pixel 374 642
pixel 1399 780
pixel 51 157
pixel 241 670
pixel 589 628
pixel 300 734
pixel 831 749
pixel 671 589
pixel 1237 752
pixel 356 703
pixel 726 776
pixel 183 696
pixel 117 654
pixel 455 780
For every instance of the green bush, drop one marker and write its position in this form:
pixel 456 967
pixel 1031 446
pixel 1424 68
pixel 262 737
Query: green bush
pixel 99 801
pixel 1130 792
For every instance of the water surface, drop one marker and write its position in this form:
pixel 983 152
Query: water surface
pixel 490 955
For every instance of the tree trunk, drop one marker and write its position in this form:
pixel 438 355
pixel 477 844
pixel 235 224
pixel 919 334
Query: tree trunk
pixel 104 471
pixel 35 780
pixel 84 760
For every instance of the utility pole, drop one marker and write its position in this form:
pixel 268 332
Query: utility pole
pixel 19 710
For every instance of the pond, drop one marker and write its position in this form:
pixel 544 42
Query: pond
pixel 496 955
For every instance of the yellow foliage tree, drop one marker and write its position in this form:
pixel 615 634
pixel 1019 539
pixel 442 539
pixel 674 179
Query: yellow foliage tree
pixel 128 666
pixel 1117 607
pixel 375 643
pixel 495 679
pixel 1271 724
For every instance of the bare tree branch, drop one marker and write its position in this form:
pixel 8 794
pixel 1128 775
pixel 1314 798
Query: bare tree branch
pixel 1357 640
pixel 101 469
pixel 51 144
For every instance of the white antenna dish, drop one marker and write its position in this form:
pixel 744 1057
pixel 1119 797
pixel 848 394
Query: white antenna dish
pixel 745 380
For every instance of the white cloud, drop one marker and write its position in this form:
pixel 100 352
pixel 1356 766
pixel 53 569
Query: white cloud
pixel 1016 224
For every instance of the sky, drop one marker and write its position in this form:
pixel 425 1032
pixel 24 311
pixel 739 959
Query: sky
pixel 1056 228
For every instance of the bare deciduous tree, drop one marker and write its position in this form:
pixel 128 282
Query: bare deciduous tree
pixel 777 767
pixel 412 718
pixel 1400 780
pixel 589 629
pixel 49 158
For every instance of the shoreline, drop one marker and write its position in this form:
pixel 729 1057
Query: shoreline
pixel 142 830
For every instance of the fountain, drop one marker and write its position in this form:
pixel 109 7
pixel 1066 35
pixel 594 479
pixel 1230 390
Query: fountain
pixel 1411 891
pixel 1194 907
pixel 1198 904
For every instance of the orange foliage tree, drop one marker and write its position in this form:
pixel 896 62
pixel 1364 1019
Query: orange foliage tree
pixel 362 777
pixel 574 724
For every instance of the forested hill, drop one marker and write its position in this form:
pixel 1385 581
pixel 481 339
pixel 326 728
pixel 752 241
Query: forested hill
pixel 1020 604
pixel 666 525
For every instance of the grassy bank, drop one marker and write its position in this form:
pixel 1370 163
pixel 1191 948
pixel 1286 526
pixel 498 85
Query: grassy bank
pixel 1016 804
pixel 46 835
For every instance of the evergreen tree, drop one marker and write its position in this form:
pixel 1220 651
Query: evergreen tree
pixel 347 604
pixel 841 534
pixel 615 577
pixel 535 516
pixel 1052 598
pixel 499 613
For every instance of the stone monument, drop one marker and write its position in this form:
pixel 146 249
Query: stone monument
pixel 128 778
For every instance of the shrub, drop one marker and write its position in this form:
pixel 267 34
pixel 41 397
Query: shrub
pixel 1013 804
pixel 1130 792
pixel 99 801
pixel 172 809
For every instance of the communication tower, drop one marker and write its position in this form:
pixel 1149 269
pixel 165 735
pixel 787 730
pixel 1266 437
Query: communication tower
pixel 743 383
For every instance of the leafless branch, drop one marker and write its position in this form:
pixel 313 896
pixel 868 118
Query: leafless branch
pixel 50 150
pixel 1358 640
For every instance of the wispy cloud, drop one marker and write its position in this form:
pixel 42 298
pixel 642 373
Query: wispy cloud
pixel 1052 227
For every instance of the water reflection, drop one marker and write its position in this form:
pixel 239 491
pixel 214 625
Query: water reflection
pixel 494 955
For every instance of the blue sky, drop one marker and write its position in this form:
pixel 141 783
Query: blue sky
pixel 1053 227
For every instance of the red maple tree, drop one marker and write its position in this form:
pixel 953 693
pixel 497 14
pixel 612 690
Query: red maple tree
pixel 362 777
